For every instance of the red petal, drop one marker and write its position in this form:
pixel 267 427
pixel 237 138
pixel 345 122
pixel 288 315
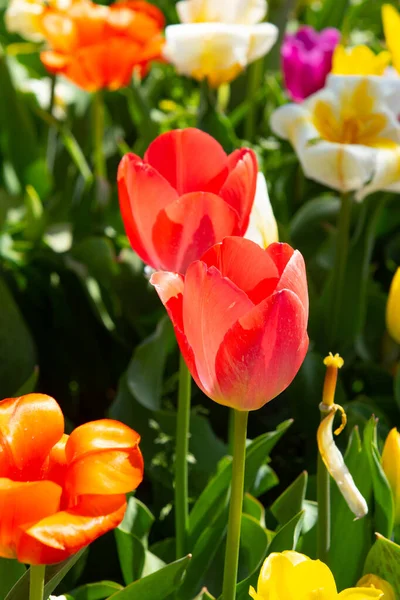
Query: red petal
pixel 143 193
pixel 211 305
pixel 293 276
pixel 262 352
pixel 239 188
pixel 190 225
pixel 169 287
pixel 246 264
pixel 22 503
pixel 103 458
pixel 58 536
pixel 29 427
pixel 190 160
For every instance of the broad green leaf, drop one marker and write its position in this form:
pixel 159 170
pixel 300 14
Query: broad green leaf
pixel 253 546
pixel 131 554
pixel 354 535
pixel 384 508
pixel 17 350
pixel 54 575
pixel 30 384
pixel 157 586
pixel 307 228
pixel 94 591
pixel 137 520
pixel 10 572
pixel 254 508
pixel 333 13
pixel 384 560
pixel 286 537
pixel 265 480
pixel 152 563
pixel 204 595
pixel 291 501
pixel 214 497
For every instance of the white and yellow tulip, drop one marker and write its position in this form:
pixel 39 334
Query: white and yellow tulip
pixel 24 16
pixel 262 229
pixel 346 136
pixel 217 40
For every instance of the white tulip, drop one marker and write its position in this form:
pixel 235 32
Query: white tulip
pixel 243 12
pixel 262 228
pixel 217 51
pixel 346 135
pixel 24 16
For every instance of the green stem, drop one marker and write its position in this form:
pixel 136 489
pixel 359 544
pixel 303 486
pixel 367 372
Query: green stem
pixel 36 582
pixel 324 507
pixel 339 272
pixel 254 81
pixel 236 505
pixel 140 113
pixel 181 464
pixel 98 135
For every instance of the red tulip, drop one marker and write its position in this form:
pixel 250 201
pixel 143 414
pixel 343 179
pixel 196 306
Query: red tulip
pixel 58 493
pixel 184 196
pixel 240 318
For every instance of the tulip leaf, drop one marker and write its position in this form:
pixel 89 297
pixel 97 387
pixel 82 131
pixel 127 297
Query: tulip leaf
pixel 254 508
pixel 384 560
pixel 204 595
pixel 291 501
pixel 94 591
pixel 214 497
pixel 332 13
pixel 254 542
pixel 10 572
pixel 131 554
pixel 384 507
pixel 308 226
pixel 17 351
pixel 286 537
pixel 157 586
pixel 354 535
pixel 54 575
pixel 397 387
pixel 137 520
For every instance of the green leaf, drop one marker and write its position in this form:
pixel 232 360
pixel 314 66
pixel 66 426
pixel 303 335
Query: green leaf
pixel 17 350
pixel 157 586
pixel 10 572
pixel 94 591
pixel 146 369
pixel 332 13
pixel 204 595
pixel 286 537
pixel 131 554
pixel 253 546
pixel 30 384
pixel 137 520
pixel 54 575
pixel 291 501
pixel 397 388
pixel 214 497
pixel 384 506
pixel 354 535
pixel 308 226
pixel 384 560
pixel 254 508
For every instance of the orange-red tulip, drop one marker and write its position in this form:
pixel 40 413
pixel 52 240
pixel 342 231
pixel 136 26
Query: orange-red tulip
pixel 184 196
pixel 240 318
pixel 99 46
pixel 58 493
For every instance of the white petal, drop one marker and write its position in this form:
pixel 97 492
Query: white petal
pixel 262 228
pixel 242 12
pixel 22 17
pixel 386 174
pixel 263 37
pixel 287 121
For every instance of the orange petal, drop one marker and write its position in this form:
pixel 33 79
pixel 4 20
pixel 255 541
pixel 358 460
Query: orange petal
pixel 30 426
pixel 22 503
pixel 103 458
pixel 58 536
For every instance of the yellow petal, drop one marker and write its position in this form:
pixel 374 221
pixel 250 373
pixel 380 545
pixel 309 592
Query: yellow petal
pixel 391 466
pixel 360 594
pixel 359 60
pixel 393 308
pixel 391 27
pixel 379 584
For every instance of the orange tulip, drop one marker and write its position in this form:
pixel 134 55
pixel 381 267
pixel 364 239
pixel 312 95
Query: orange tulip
pixel 99 46
pixel 58 493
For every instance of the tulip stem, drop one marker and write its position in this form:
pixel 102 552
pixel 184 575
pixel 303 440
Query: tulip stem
pixel 236 505
pixel 98 136
pixel 181 464
pixel 36 582
pixel 324 505
pixel 254 81
pixel 339 272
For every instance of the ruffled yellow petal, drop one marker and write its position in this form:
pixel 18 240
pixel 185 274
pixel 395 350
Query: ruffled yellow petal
pixel 359 60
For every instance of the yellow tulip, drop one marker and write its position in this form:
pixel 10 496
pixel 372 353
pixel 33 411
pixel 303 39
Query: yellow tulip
pixel 294 576
pixel 393 308
pixel 359 60
pixel 391 466
pixel 379 584
pixel 391 27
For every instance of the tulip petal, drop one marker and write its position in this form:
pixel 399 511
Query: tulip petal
pixel 58 536
pixel 22 503
pixel 263 37
pixel 292 271
pixel 247 265
pixel 189 159
pixel 190 225
pixel 262 229
pixel 360 594
pixel 261 353
pixel 239 188
pixel 211 305
pixel 29 428
pixel 136 181
pixel 103 457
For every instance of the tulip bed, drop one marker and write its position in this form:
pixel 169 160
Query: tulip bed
pixel 199 300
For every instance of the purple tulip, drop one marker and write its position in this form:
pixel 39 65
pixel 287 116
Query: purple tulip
pixel 307 59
